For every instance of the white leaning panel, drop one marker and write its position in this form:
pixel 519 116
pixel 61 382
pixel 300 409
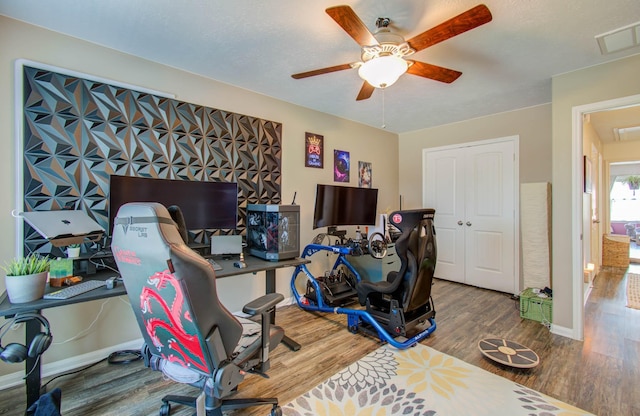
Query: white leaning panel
pixel 535 220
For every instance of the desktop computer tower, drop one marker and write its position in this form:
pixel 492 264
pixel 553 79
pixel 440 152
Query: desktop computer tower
pixel 273 231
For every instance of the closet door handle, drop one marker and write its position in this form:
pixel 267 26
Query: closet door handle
pixel 460 223
pixel 468 223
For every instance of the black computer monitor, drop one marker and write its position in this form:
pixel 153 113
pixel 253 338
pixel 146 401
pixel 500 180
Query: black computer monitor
pixel 343 205
pixel 204 205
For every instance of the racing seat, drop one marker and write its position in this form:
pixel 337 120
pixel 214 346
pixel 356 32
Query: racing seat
pixel 188 334
pixel 403 300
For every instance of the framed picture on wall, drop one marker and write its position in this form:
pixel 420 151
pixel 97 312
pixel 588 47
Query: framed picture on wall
pixel 588 183
pixel 314 150
pixel 364 174
pixel 340 166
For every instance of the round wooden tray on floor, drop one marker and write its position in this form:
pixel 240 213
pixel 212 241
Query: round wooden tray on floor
pixel 508 353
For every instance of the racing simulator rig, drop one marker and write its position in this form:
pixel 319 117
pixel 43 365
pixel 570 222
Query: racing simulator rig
pixel 399 309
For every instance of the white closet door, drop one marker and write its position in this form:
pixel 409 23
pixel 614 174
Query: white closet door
pixel 472 189
pixel 444 184
pixel 489 216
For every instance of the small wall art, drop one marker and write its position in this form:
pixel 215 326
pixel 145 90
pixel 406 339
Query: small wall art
pixel 364 174
pixel 314 150
pixel 340 166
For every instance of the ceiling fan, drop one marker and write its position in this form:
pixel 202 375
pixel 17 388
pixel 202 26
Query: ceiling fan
pixel 383 52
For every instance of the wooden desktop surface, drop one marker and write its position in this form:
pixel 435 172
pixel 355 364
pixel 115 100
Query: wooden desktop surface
pixel 254 265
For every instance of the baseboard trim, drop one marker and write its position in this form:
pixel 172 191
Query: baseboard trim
pixel 68 364
pixel 563 331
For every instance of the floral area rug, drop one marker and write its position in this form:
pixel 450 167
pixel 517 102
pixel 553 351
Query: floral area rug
pixel 633 290
pixel 421 381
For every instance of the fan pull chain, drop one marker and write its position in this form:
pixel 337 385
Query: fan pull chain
pixel 384 125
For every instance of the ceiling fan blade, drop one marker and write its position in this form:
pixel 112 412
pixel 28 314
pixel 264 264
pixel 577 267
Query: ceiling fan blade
pixel 434 72
pixel 365 91
pixel 468 20
pixel 351 23
pixel 322 71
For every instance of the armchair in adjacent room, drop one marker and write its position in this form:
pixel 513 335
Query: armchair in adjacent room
pixel 633 231
pixel 188 334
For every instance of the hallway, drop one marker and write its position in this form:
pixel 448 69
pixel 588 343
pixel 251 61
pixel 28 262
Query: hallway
pixel 612 331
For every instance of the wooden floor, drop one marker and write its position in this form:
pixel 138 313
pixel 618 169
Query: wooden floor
pixel 600 375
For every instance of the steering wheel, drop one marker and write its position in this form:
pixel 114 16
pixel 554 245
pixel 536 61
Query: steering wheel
pixel 377 246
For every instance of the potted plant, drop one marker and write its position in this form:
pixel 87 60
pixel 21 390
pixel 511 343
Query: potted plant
pixel 26 278
pixel 633 182
pixel 73 251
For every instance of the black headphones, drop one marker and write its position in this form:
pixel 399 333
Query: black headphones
pixel 16 353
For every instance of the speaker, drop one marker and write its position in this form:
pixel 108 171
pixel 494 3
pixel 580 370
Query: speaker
pixel 16 353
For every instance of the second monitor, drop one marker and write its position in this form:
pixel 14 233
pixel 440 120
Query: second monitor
pixel 344 205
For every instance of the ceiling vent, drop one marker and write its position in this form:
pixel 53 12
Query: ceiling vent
pixel 619 39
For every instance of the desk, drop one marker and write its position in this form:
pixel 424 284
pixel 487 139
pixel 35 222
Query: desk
pixel 32 327
pixel 255 265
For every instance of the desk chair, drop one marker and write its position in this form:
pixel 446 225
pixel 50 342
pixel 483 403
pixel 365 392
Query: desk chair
pixel 403 300
pixel 188 334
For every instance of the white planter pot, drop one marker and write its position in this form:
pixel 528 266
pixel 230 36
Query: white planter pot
pixel 73 252
pixel 22 289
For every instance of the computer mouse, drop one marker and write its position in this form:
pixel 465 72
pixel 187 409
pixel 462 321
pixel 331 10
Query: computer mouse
pixel 239 264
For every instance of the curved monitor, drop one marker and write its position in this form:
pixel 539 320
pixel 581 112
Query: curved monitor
pixel 204 205
pixel 343 205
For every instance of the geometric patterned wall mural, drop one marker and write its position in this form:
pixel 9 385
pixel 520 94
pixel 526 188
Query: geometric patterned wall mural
pixel 78 132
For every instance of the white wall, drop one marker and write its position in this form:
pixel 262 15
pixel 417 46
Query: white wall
pixel 621 152
pixel 116 324
pixel 532 125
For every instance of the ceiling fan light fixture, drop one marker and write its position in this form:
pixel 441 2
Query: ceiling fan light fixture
pixel 383 71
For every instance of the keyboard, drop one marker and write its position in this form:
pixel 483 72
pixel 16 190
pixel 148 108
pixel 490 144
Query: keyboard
pixel 214 264
pixel 75 290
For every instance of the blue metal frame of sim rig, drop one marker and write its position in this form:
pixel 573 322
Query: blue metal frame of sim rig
pixel 354 316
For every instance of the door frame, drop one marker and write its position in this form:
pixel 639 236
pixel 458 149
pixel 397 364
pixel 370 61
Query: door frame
pixel 578 112
pixel 515 139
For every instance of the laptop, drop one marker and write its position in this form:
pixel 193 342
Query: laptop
pixel 226 245
pixel 64 227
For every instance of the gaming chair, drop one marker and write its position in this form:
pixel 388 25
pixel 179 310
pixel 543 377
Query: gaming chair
pixel 403 300
pixel 176 215
pixel 17 353
pixel 189 335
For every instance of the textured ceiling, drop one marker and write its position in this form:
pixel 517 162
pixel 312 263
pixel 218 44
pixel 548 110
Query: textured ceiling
pixel 506 64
